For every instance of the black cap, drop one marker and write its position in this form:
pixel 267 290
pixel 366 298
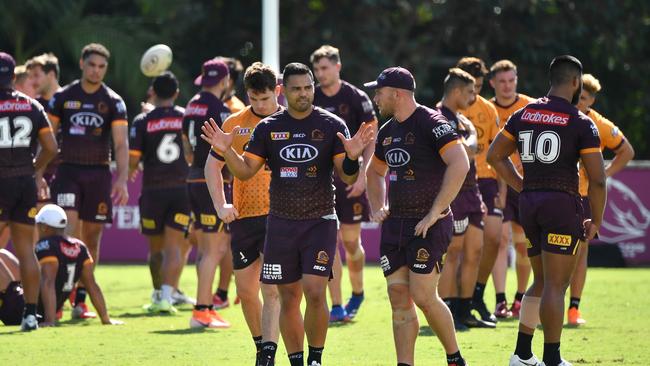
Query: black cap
pixel 7 66
pixel 395 77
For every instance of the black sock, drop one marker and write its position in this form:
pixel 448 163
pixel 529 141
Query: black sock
pixel 267 354
pixel 336 306
pixel 403 364
pixel 464 307
pixel 357 294
pixel 455 306
pixel 223 294
pixel 315 354
pixel 501 297
pixel 519 296
pixel 574 302
pixel 479 290
pixel 524 350
pixel 258 343
pixel 202 307
pixel 455 359
pixel 552 354
pixel 296 359
pixel 30 309
pixel 81 295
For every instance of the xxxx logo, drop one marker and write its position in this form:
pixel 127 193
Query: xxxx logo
pixel 558 239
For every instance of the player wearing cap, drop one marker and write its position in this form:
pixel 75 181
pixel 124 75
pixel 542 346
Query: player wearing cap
pixel 248 212
pixel 426 164
pixel 302 146
pixel 210 230
pixel 506 101
pixel 23 125
pixel 611 138
pixel 64 260
pixel 551 136
pixel 156 140
pixel 354 107
pixel 90 115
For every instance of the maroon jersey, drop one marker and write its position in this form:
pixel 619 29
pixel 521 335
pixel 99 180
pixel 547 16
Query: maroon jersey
pixel 157 138
pixel 201 108
pixel 21 120
pixel 453 118
pixel 70 255
pixel 300 155
pixel 86 121
pixel 412 151
pixel 551 134
pixel 350 103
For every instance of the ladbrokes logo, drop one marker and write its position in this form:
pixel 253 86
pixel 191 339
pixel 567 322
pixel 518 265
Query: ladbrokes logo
pixel 196 110
pixel 545 117
pixel 298 153
pixel 397 157
pixel 87 119
pixel 559 239
pixel 165 124
pixel 15 106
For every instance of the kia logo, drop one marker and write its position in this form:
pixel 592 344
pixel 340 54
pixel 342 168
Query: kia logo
pixel 298 153
pixel 87 119
pixel 397 157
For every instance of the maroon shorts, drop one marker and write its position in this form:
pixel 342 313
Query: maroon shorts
pixel 586 207
pixel 296 247
pixel 511 211
pixel 247 240
pixel 18 199
pixel 12 304
pixel 467 210
pixel 164 207
pixel 489 188
pixel 205 215
pixel 86 189
pixel 552 220
pixel 400 247
pixel 350 210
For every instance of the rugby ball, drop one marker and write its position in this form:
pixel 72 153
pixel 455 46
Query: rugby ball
pixel 156 60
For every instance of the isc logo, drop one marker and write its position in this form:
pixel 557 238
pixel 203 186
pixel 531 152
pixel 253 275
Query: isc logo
pixel 87 119
pixel 298 153
pixel 397 157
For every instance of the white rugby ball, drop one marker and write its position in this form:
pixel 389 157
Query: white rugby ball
pixel 156 60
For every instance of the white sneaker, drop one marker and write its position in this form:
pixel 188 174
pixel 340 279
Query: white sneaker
pixel 29 323
pixel 314 363
pixel 516 361
pixel 563 363
pixel 179 298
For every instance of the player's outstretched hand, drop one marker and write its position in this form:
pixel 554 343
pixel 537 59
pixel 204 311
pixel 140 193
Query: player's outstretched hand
pixel 215 136
pixel 380 215
pixel 428 221
pixel 227 213
pixel 354 146
pixel 113 322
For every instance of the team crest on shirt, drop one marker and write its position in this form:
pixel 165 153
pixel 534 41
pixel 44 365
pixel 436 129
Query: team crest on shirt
pixel 344 109
pixel 70 250
pixel 102 107
pixel 322 257
pixel 387 141
pixel 278 136
pixel 317 135
pixel 422 255
pixel 409 139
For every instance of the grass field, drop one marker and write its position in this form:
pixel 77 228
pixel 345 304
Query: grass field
pixel 616 307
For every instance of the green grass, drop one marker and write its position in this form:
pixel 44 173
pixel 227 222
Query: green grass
pixel 615 305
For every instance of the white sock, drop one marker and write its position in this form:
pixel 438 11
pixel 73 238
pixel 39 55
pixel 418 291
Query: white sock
pixel 166 292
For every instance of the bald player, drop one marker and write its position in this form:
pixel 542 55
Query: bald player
pixel 551 135
pixel 506 101
pixel 611 138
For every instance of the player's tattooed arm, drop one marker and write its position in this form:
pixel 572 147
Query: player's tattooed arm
pixel 498 157
pixel 214 178
pixel 457 167
pixel 48 292
pixel 96 295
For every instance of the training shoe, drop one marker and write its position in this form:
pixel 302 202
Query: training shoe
pixel 206 319
pixel 29 323
pixel 80 311
pixel 353 305
pixel 218 303
pixel 162 306
pixel 515 309
pixel 483 311
pixel 574 318
pixel 179 298
pixel 314 363
pixel 501 311
pixel 563 363
pixel 338 314
pixel 516 361
pixel 460 327
pixel 470 321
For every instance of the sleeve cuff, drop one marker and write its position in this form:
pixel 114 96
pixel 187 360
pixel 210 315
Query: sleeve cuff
pixel 45 130
pixel 590 150
pixel 53 118
pixel 508 135
pixel 48 259
pixel 135 153
pixel 119 122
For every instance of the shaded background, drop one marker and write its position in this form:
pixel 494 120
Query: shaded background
pixel 611 37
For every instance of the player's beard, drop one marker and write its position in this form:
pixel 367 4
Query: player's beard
pixel 302 104
pixel 576 96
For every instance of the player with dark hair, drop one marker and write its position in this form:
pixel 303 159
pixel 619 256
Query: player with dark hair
pixel 354 107
pixel 23 125
pixel 44 73
pixel 302 146
pixel 464 252
pixel 551 136
pixel 426 164
pixel 248 212
pixel 90 115
pixel 156 140
pixel 209 229
pixel 504 79
pixel 611 138
pixel 64 260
